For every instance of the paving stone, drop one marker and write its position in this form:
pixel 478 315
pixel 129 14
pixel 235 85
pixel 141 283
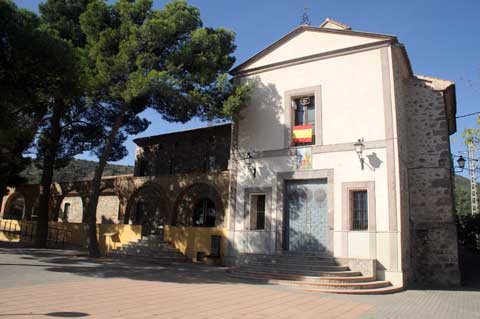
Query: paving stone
pixel 56 282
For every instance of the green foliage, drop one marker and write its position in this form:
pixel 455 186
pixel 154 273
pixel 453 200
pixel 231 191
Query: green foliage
pixel 27 73
pixel 162 59
pixel 74 171
pixel 469 230
pixel 462 196
pixel 468 225
pixel 472 135
pixel 64 17
pixel 140 58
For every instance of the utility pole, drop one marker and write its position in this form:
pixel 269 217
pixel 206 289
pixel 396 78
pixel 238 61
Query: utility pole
pixel 472 163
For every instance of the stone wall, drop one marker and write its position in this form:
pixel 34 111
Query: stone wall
pixel 205 150
pixel 75 212
pixel 121 193
pixel 434 253
pixel 107 209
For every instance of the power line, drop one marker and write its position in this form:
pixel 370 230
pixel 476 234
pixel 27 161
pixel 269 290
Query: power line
pixel 465 115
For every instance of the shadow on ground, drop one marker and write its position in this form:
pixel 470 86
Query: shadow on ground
pixel 78 263
pixel 60 314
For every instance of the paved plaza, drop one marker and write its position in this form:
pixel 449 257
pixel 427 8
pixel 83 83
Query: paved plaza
pixel 66 284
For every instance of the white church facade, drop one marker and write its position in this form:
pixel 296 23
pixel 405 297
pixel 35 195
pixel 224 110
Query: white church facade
pixel 343 150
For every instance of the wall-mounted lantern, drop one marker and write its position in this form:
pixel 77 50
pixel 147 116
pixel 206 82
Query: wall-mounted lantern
pixel 461 162
pixel 249 162
pixel 359 146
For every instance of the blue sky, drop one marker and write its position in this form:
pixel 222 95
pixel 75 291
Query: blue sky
pixel 441 38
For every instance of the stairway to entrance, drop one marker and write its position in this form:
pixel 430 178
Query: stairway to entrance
pixel 151 248
pixel 312 272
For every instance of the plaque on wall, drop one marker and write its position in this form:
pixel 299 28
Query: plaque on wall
pixel 303 158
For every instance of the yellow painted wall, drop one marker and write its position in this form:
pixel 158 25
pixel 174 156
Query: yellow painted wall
pixel 190 240
pixel 110 236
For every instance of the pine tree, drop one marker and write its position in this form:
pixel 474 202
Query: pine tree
pixel 163 59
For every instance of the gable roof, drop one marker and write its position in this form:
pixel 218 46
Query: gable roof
pixel 303 28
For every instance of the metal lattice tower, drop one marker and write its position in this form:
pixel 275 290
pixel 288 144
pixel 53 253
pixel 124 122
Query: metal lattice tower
pixel 472 163
pixel 305 18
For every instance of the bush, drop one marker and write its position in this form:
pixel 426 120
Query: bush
pixel 469 230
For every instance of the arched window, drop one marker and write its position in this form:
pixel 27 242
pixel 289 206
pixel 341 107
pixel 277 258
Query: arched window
pixel 204 213
pixel 16 209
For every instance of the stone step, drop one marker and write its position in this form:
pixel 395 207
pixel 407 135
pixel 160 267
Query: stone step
pixel 293 264
pixel 323 282
pixel 143 251
pixel 292 254
pixel 150 249
pixel 166 258
pixel 326 271
pixel 293 258
pixel 296 268
pixel 376 291
pixel 154 244
pixel 155 260
pixel 303 253
pixel 335 285
pixel 339 277
pixel 339 284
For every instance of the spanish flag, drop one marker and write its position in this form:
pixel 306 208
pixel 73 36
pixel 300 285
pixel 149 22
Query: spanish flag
pixel 302 134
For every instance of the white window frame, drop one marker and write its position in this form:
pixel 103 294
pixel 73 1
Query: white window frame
pixel 289 96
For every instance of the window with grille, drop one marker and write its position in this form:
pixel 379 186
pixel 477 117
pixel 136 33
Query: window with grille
pixel 257 208
pixel 304 115
pixel 359 207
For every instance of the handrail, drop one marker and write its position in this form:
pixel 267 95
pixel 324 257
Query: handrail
pixel 55 234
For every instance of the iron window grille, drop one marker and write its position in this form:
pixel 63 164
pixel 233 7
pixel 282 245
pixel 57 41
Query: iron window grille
pixel 359 206
pixel 258 208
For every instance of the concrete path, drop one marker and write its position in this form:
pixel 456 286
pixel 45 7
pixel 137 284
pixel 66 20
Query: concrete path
pixel 66 284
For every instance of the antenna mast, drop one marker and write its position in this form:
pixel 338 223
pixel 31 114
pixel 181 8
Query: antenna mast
pixel 305 19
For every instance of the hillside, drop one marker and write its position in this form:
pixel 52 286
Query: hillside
pixel 77 169
pixel 461 181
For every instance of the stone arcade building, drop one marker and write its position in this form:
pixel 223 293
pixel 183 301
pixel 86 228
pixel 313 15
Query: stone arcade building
pixel 371 186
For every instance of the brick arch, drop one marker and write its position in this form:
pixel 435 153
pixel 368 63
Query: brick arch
pixel 183 209
pixel 148 206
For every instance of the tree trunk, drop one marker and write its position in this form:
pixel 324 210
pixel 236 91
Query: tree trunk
pixel 47 175
pixel 93 248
